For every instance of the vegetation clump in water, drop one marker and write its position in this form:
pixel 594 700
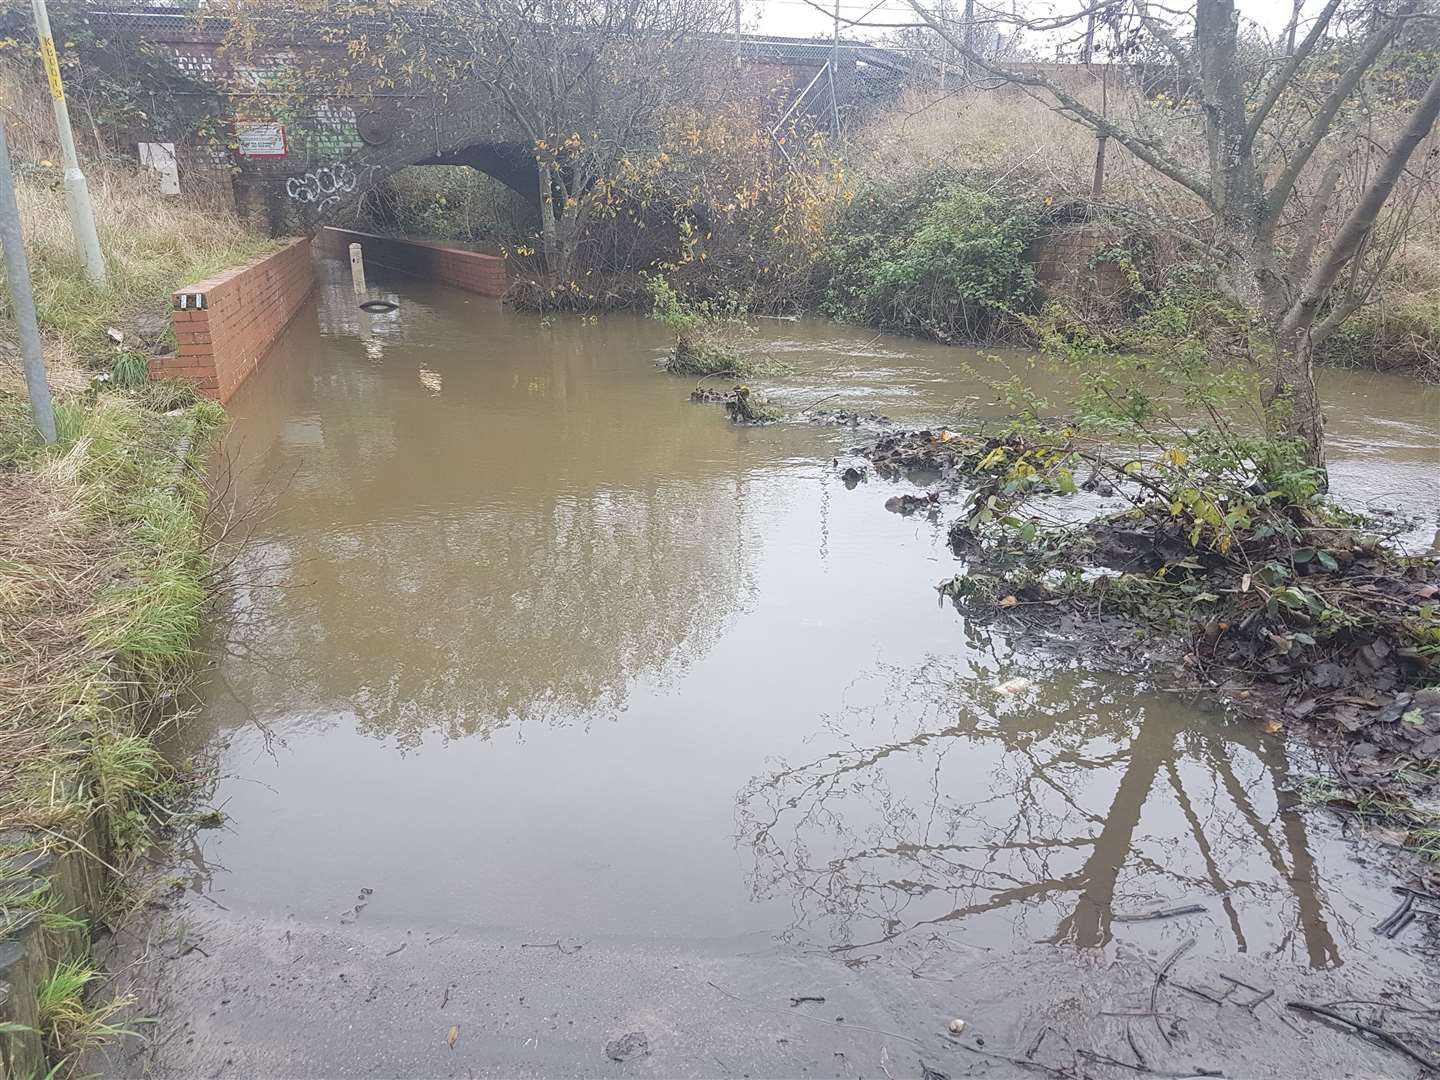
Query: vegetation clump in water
pixel 705 336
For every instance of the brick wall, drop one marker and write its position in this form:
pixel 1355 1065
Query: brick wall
pixel 226 324
pixel 469 270
pixel 1063 262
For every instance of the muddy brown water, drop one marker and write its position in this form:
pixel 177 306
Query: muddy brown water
pixel 551 706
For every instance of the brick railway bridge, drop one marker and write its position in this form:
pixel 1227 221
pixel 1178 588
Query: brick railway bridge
pixel 296 158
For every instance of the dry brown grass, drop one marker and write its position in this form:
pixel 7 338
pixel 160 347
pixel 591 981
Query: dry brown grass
pixel 55 557
pixel 101 562
pixel 1010 141
pixel 152 243
pixel 1005 132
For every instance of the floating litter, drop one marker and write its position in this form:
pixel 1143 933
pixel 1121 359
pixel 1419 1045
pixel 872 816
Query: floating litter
pixel 378 306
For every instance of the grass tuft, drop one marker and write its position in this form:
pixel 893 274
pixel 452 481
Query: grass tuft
pixel 69 1024
pixel 129 369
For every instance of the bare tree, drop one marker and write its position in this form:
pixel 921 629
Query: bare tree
pixel 588 82
pixel 1296 259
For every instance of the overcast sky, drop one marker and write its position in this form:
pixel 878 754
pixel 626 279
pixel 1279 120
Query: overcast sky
pixel 798 18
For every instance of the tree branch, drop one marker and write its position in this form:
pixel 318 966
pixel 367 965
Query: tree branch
pixel 1315 218
pixel 1362 218
pixel 1325 117
pixel 1356 299
pixel 1158 30
pixel 1284 76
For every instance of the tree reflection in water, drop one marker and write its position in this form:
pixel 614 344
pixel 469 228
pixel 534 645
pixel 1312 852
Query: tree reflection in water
pixel 952 812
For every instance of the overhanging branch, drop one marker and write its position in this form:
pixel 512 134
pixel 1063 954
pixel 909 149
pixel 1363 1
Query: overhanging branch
pixel 1362 218
pixel 1287 73
pixel 1325 117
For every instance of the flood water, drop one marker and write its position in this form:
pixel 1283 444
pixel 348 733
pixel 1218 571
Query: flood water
pixel 529 649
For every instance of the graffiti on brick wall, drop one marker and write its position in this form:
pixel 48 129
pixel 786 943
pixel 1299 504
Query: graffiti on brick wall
pixel 325 186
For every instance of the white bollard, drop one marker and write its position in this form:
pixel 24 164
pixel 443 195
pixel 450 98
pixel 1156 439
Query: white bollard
pixel 357 269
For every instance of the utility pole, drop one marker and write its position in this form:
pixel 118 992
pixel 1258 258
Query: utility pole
pixel 17 275
pixel 737 32
pixel 969 35
pixel 834 67
pixel 77 193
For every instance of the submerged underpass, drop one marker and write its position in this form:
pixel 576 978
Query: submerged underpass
pixel 550 708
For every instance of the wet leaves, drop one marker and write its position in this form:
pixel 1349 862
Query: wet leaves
pixel 626 1047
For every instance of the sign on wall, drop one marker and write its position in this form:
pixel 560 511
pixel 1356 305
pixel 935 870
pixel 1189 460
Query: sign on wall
pixel 160 156
pixel 260 138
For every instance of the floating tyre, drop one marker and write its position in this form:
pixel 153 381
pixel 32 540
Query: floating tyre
pixel 378 306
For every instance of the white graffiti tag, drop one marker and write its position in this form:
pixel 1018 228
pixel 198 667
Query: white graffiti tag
pixel 325 186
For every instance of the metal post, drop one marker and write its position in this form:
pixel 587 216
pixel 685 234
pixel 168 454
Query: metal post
pixel 1097 185
pixel 834 66
pixel 737 31
pixel 17 275
pixel 357 269
pixel 77 193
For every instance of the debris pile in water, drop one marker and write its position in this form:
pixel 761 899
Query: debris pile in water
pixel 845 418
pixel 908 503
pixel 703 395
pixel 1290 609
pixel 950 455
pixel 747 406
pixel 932 451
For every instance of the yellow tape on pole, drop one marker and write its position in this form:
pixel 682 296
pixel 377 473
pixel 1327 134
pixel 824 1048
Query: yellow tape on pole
pixel 52 67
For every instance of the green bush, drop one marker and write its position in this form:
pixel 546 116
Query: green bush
pixel 938 257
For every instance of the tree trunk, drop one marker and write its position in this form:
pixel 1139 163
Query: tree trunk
pixel 1288 395
pixel 1292 402
pixel 549 242
pixel 568 237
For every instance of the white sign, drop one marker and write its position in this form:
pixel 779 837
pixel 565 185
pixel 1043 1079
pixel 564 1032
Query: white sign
pixel 160 156
pixel 260 138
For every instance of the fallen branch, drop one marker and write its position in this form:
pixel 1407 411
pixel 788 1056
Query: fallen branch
pixel 1185 947
pixel 1024 1063
pixel 1384 1036
pixel 1161 913
pixel 1386 925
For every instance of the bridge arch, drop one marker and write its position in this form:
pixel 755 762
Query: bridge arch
pixel 319 179
pixel 337 147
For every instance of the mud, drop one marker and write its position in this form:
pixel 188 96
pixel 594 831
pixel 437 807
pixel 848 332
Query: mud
pixel 259 998
pixel 554 711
